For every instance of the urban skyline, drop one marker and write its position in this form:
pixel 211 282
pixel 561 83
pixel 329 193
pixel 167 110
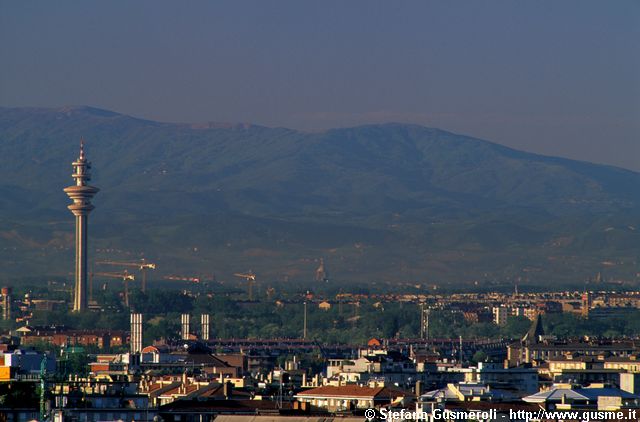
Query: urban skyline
pixel 353 211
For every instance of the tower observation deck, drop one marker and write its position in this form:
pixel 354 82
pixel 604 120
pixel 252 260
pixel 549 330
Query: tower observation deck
pixel 81 194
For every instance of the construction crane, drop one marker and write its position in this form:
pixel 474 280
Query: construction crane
pixel 124 276
pixel 182 278
pixel 143 266
pixel 251 279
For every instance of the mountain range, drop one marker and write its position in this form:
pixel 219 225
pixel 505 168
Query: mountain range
pixel 388 203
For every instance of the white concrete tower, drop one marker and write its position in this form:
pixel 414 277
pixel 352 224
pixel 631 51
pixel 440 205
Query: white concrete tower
pixel 204 325
pixel 184 333
pixel 81 194
pixel 136 333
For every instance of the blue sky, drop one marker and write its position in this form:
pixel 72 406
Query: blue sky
pixel 552 77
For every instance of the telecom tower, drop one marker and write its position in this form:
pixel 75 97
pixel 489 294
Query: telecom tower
pixel 81 194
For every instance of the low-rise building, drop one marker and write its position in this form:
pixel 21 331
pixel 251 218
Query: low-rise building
pixel 520 380
pixel 500 315
pixel 387 367
pixel 351 397
pixel 462 392
pixel 595 396
pixel 61 336
pixel 197 357
pixel 24 364
pixel 535 347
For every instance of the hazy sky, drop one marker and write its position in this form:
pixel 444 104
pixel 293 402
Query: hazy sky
pixel 554 77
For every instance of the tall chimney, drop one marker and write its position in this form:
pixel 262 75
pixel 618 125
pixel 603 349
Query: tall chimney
pixel 204 324
pixel 185 327
pixel 6 303
pixel 136 333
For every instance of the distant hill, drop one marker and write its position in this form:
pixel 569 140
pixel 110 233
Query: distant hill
pixel 390 202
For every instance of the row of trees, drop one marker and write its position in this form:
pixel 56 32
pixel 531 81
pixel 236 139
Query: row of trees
pixel 345 323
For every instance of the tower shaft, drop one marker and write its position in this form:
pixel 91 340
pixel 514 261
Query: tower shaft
pixel 80 291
